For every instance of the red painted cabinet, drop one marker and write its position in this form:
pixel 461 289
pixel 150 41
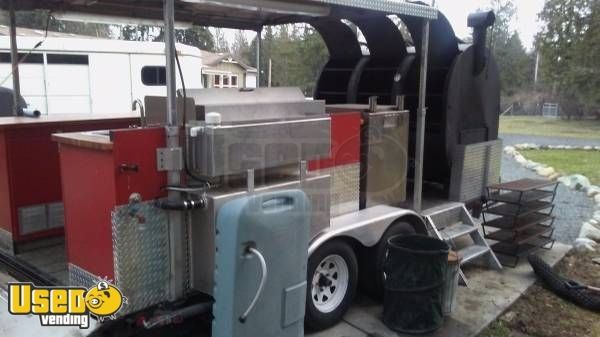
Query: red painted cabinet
pixel 98 178
pixel 30 188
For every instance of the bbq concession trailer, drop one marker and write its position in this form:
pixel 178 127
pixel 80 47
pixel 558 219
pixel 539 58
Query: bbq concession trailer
pixel 354 152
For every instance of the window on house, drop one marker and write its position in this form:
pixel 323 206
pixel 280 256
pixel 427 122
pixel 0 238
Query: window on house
pixel 234 81
pixel 226 80
pixel 154 75
pixel 217 80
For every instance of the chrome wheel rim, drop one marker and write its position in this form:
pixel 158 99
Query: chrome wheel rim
pixel 330 283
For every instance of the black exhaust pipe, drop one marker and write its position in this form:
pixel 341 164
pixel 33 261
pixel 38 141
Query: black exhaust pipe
pixel 480 22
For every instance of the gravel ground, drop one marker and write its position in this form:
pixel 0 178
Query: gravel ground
pixel 571 207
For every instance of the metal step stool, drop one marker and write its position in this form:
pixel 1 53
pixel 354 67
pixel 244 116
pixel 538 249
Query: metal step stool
pixel 451 222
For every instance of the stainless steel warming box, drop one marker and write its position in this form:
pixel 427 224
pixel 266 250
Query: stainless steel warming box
pixel 228 149
pixel 258 129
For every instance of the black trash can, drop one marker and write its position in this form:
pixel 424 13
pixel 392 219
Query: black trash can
pixel 415 268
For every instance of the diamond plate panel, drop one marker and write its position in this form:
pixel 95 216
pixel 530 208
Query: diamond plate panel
pixel 79 277
pixel 141 254
pixel 345 188
pixel 387 6
pixel 474 167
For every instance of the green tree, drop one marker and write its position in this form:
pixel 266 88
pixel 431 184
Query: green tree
pixel 40 19
pixel 297 53
pixel 516 66
pixel 196 36
pixel 240 48
pixel 570 48
pixel 137 32
pixel 221 43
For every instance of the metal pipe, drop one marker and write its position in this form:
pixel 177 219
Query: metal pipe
pixel 170 62
pixel 181 205
pixel 138 103
pixel 14 58
pixel 178 315
pixel 258 47
pixel 421 114
pixel 372 103
pixel 177 232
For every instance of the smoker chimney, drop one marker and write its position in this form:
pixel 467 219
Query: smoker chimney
pixel 480 22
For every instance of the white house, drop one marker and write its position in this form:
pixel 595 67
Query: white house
pixel 225 71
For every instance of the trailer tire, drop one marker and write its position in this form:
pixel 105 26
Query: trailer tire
pixel 371 277
pixel 329 295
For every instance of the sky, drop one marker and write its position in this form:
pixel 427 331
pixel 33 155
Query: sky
pixel 526 23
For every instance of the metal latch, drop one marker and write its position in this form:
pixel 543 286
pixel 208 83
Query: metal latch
pixel 169 159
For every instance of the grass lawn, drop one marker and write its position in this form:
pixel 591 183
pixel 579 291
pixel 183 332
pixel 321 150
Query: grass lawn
pixel 569 162
pixel 540 126
pixel 540 313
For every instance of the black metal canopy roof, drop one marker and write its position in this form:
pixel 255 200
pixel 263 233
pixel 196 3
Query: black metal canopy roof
pixel 240 14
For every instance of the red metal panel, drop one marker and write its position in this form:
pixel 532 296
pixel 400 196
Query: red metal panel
pixel 33 167
pixel 138 147
pixel 345 141
pixel 5 202
pixel 89 195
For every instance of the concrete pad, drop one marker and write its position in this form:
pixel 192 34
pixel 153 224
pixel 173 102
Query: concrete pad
pixel 343 329
pixel 29 325
pixel 491 292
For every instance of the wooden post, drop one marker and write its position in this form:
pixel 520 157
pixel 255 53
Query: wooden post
pixel 270 71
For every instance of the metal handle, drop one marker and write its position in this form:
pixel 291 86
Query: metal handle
pixel 129 167
pixel 261 286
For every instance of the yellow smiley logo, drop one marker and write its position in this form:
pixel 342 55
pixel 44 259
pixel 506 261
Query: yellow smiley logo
pixel 104 299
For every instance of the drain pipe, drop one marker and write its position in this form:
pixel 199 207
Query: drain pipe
pixel 176 227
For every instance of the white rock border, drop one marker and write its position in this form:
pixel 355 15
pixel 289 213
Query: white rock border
pixel 589 234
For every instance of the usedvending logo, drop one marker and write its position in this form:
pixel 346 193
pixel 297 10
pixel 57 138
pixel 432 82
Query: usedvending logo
pixel 65 306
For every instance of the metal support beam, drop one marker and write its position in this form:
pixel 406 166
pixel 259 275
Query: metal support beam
pixel 14 57
pixel 258 47
pixel 177 231
pixel 421 114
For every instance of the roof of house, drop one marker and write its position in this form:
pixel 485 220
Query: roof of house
pixel 210 59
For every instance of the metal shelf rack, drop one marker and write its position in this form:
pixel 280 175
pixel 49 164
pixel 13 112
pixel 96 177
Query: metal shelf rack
pixel 518 216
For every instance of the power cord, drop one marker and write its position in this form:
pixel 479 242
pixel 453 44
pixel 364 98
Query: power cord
pixel 184 145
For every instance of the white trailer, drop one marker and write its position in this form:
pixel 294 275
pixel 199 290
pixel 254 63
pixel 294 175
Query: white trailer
pixel 92 76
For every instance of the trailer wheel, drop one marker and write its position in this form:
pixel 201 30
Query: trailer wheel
pixel 332 280
pixel 371 277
